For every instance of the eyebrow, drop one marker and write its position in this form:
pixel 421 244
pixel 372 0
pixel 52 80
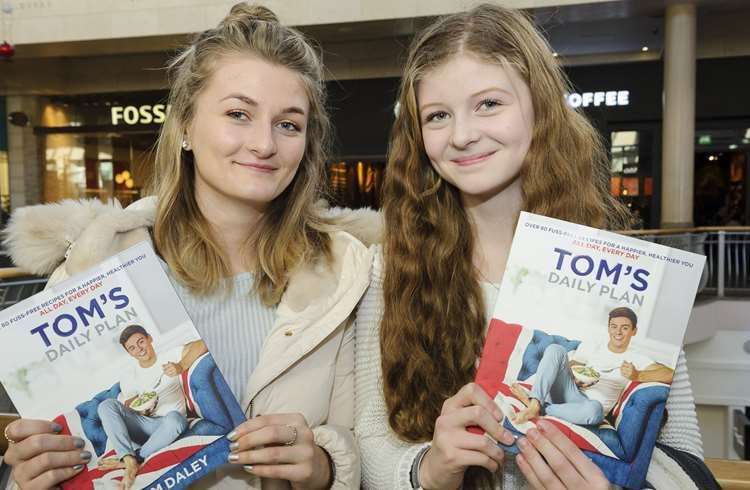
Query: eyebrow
pixel 252 102
pixel 477 94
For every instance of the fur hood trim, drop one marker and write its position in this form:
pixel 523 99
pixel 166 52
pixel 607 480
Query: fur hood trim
pixel 39 238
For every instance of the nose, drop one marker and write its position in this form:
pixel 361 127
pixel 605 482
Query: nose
pixel 261 141
pixel 464 133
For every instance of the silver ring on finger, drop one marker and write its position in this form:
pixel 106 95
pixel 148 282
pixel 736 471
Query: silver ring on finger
pixel 11 441
pixel 293 440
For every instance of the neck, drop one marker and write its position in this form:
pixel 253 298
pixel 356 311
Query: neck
pixel 617 350
pixel 232 222
pixel 494 219
pixel 147 363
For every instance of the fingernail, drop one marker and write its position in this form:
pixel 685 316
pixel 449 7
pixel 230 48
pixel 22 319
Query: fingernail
pixel 233 458
pixel 232 436
pixel 248 468
pixel 507 438
pixel 543 425
pixel 523 443
pixel 85 455
pixel 234 446
pixel 57 428
pixel 78 442
pixel 78 467
pixel 533 434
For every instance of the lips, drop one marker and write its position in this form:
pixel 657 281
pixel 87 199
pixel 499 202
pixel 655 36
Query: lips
pixel 472 159
pixel 260 167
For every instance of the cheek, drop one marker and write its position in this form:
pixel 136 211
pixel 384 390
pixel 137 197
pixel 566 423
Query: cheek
pixel 227 140
pixel 434 142
pixel 216 140
pixel 292 152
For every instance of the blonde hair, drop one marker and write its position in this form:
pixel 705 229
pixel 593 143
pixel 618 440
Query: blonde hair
pixel 181 232
pixel 434 318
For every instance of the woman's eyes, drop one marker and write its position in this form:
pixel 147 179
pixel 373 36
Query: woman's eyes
pixel 289 126
pixel 436 116
pixel 488 104
pixel 238 115
pixel 285 125
pixel 485 105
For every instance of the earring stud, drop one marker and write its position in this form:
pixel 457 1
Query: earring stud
pixel 185 145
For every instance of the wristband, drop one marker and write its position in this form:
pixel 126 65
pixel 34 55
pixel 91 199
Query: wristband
pixel 414 476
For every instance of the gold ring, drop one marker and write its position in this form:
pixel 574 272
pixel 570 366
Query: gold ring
pixel 11 441
pixel 294 436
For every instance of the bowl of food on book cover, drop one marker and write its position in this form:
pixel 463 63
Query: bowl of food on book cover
pixel 585 374
pixel 145 402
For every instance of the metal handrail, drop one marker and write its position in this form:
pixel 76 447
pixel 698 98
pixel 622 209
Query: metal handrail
pixel 21 286
pixel 727 251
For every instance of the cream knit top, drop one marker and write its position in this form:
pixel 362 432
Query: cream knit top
pixel 387 460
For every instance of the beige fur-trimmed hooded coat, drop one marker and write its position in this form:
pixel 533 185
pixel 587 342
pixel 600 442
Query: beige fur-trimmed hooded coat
pixel 311 343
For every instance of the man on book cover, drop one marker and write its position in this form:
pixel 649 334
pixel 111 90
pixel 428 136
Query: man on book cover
pixel 602 372
pixel 150 412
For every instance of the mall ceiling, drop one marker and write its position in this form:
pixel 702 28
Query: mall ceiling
pixel 614 28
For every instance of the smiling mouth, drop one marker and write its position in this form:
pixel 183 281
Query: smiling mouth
pixel 473 159
pixel 260 167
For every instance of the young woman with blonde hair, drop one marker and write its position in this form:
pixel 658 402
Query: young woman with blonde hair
pixel 483 132
pixel 266 279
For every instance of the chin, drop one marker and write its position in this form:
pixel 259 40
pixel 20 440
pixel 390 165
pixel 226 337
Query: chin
pixel 483 186
pixel 253 195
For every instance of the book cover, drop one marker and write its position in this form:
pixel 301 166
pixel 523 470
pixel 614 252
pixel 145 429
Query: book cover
pixel 586 332
pixel 111 355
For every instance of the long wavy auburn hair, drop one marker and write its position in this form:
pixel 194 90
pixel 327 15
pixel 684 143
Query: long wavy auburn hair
pixel 182 234
pixel 434 318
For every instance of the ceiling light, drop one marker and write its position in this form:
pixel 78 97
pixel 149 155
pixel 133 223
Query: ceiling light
pixel 732 147
pixel 644 48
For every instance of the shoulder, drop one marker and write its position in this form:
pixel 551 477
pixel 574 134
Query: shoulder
pixel 586 347
pixel 365 224
pixel 639 359
pixel 173 354
pixel 340 278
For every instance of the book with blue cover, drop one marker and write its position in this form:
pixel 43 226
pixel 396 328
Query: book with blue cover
pixel 111 355
pixel 586 334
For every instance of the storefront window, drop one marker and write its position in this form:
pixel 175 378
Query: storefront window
pixel 721 176
pixel 104 166
pixel 355 183
pixel 100 146
pixel 631 179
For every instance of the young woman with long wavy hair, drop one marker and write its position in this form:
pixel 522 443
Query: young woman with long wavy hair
pixel 482 133
pixel 266 278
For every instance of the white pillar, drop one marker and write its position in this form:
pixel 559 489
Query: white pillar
pixel 678 133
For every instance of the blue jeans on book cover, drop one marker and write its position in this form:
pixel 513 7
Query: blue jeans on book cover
pixel 134 434
pixel 556 390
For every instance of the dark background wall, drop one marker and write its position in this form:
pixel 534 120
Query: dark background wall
pixel 362 114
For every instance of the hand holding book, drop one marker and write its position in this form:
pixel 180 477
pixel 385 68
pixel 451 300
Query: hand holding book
pixel 549 460
pixel 281 446
pixel 454 449
pixel 41 457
